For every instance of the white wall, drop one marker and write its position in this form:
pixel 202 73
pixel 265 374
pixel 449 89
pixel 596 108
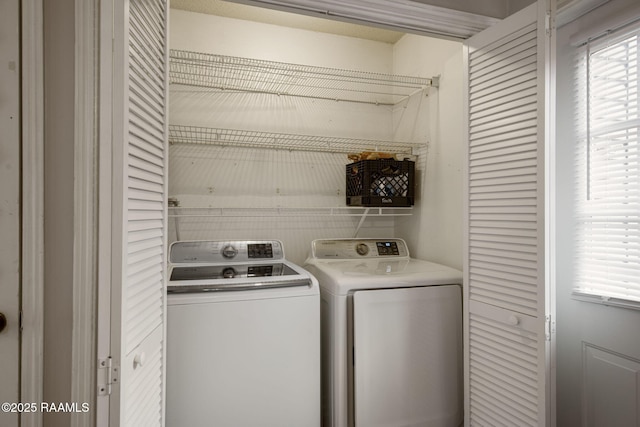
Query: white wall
pixel 233 177
pixel 434 232
pixel 59 43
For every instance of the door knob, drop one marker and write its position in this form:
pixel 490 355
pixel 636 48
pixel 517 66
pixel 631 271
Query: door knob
pixel 3 322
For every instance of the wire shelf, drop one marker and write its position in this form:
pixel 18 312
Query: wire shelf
pixel 181 134
pixel 206 212
pixel 260 76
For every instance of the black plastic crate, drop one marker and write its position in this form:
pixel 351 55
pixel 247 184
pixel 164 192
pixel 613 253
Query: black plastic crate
pixel 383 182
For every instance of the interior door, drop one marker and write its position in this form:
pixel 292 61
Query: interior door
pixel 137 212
pixel 407 357
pixel 10 211
pixel 508 289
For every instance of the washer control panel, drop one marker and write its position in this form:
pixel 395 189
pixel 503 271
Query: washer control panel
pixel 220 251
pixel 359 248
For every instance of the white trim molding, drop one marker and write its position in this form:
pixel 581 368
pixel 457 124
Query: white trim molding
pixel 84 388
pixel 399 15
pixel 32 208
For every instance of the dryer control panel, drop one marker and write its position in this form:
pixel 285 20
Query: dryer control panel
pixel 359 248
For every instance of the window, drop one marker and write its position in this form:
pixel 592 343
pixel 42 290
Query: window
pixel 608 209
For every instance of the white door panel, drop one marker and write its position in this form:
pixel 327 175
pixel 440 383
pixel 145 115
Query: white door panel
pixel 611 388
pixel 142 369
pixel 507 273
pixel 407 357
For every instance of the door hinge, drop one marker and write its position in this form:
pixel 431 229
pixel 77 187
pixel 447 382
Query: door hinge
pixel 548 23
pixel 548 327
pixel 107 375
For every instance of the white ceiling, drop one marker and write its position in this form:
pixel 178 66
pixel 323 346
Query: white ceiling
pixel 268 16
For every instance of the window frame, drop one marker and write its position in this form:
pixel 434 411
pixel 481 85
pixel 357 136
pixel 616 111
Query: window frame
pixel 588 210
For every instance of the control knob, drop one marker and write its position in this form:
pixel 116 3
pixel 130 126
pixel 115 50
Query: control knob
pixel 362 249
pixel 229 251
pixel 229 273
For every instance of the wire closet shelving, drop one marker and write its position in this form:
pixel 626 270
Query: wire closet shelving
pixel 280 78
pixel 177 212
pixel 229 74
pixel 182 134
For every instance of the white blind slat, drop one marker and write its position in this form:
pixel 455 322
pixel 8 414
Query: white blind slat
pixel 608 211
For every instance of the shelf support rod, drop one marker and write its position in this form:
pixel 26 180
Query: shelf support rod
pixel 362 218
pixel 176 223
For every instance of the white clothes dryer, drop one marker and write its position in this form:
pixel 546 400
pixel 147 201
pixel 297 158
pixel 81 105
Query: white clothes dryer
pixel 391 335
pixel 243 337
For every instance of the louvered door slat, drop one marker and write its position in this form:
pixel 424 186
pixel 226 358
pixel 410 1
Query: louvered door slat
pixel 145 59
pixel 504 260
pixel 501 141
pixel 144 146
pixel 524 400
pixel 515 69
pixel 142 116
pixel 485 278
pixel 149 107
pixel 144 49
pixel 511 110
pixel 146 167
pixel 520 276
pixel 506 88
pixel 136 194
pixel 525 143
pixel 503 106
pixel 485 56
pixel 521 171
pixel 504 103
pixel 527 122
pixel 140 136
pixel 147 150
pixel 504 180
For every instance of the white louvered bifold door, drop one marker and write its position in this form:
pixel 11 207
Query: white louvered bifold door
pixel 139 194
pixel 506 284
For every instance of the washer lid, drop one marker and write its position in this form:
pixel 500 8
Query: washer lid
pixel 222 272
pixel 185 278
pixel 232 265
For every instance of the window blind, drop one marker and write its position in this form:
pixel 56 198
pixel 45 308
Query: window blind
pixel 608 208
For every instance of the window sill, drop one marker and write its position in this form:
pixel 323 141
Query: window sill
pixel 605 300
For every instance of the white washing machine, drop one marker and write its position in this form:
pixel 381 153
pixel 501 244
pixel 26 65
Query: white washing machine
pixel 243 337
pixel 391 335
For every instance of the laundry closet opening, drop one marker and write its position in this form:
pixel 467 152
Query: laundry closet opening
pixel 259 143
